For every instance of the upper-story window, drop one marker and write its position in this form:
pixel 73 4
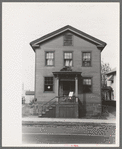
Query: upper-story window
pixel 49 59
pixel 87 85
pixel 68 40
pixel 86 59
pixel 68 58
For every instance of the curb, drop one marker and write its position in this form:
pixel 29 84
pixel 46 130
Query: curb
pixel 31 123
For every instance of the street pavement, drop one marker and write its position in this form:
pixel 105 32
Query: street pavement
pixel 68 131
pixel 66 139
pixel 67 134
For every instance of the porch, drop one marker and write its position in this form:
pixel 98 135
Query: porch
pixel 66 82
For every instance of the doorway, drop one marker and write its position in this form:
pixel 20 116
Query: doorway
pixel 66 87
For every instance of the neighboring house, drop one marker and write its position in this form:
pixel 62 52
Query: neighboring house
pixel 107 93
pixel 68 61
pixel 29 96
pixel 111 82
pixel 23 94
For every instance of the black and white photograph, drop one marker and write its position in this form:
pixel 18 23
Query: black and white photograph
pixel 61 74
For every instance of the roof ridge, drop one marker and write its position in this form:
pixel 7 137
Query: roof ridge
pixel 63 29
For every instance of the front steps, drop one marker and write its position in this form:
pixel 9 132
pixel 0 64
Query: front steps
pixel 49 112
pixel 59 108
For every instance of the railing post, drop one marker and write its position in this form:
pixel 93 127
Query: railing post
pixel 76 99
pixel 57 87
pixel 42 108
pixel 76 88
pixel 39 110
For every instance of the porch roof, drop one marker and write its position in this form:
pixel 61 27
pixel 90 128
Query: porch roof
pixel 71 73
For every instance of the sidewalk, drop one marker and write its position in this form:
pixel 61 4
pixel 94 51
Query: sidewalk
pixel 61 121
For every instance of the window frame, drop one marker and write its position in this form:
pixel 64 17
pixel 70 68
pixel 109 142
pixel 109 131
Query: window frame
pixel 65 39
pixel 64 57
pixel 53 58
pixel 44 84
pixel 90 58
pixel 88 85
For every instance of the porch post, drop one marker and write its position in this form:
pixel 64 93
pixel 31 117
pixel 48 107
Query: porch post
pixel 57 87
pixel 76 87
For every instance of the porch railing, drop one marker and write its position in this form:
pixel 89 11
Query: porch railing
pixel 45 107
pixel 67 99
pixel 41 109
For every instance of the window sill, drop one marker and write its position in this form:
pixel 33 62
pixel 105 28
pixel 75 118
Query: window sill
pixel 86 66
pixel 49 66
pixel 48 92
pixel 68 66
pixel 67 45
pixel 87 93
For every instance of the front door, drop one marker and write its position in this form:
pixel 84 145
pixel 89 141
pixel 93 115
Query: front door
pixel 66 87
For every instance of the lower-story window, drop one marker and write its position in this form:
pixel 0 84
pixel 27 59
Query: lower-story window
pixel 87 85
pixel 48 84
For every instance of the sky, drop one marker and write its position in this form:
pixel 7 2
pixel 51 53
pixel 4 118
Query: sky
pixel 25 22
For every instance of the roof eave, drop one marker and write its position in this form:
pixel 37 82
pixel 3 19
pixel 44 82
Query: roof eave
pixel 101 47
pixel 111 72
pixel 100 44
pixel 34 46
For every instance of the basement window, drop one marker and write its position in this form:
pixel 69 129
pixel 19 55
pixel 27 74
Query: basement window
pixel 87 85
pixel 48 84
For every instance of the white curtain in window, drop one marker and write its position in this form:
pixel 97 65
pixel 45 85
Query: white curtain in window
pixel 49 62
pixel 67 63
pixel 70 63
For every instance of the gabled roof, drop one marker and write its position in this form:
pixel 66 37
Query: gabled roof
pixel 111 72
pixel 96 41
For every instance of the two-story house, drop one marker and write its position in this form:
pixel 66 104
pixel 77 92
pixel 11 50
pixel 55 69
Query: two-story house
pixel 68 73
